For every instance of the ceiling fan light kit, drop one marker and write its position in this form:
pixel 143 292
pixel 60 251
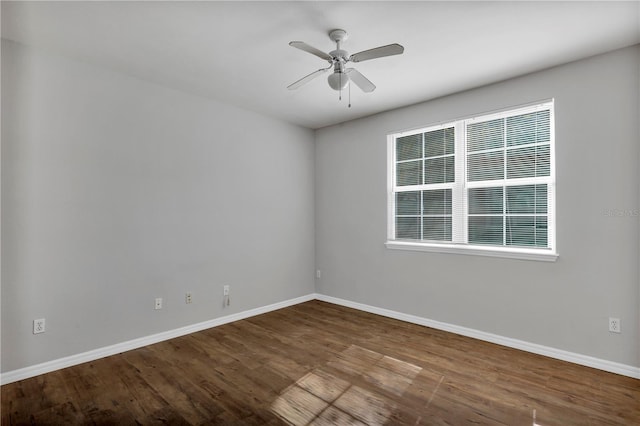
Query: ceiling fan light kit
pixel 341 77
pixel 338 80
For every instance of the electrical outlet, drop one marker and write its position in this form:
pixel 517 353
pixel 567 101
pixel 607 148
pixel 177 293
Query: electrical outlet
pixel 614 325
pixel 38 326
pixel 158 303
pixel 318 274
pixel 225 290
pixel 188 297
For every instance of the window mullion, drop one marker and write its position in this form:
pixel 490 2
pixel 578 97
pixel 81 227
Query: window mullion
pixel 458 193
pixel 424 178
pixel 505 177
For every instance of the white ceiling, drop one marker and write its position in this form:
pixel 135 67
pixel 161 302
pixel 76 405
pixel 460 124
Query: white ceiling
pixel 238 53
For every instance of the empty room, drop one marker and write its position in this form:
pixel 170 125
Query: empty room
pixel 320 213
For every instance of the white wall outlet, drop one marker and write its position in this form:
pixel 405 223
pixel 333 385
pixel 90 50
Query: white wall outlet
pixel 158 303
pixel 188 297
pixel 225 290
pixel 38 326
pixel 614 325
pixel 318 273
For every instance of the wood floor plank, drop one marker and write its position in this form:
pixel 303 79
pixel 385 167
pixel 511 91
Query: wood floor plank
pixel 321 364
pixel 171 381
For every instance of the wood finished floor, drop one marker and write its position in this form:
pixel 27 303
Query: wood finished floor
pixel 322 364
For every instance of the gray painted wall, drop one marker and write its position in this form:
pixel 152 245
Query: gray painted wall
pixel 116 191
pixel 564 305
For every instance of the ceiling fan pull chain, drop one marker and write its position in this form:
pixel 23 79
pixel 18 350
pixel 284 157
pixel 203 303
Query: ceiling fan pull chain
pixel 349 94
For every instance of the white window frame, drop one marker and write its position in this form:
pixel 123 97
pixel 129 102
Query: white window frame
pixel 459 193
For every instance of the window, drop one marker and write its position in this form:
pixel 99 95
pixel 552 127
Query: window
pixel 483 185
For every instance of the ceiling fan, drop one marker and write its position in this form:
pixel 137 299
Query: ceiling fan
pixel 338 59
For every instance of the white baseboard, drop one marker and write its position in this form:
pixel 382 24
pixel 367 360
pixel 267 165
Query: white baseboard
pixel 46 367
pixel 57 364
pixel 601 364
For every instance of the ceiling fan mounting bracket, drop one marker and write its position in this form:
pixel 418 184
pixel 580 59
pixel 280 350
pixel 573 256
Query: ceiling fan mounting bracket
pixel 338 35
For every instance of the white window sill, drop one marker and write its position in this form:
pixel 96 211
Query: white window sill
pixel 541 255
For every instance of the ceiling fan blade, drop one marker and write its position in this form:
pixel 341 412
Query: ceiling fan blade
pixel 304 46
pixel 304 80
pixel 360 80
pixel 378 52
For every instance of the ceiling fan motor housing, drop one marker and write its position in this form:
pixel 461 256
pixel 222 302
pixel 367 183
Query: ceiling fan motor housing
pixel 339 55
